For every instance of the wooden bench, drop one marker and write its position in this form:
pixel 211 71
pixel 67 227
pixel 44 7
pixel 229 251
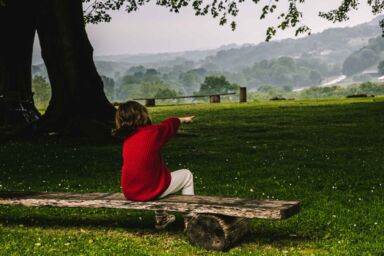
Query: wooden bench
pixel 218 224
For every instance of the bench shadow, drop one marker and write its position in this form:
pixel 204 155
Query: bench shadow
pixel 274 237
pixel 144 225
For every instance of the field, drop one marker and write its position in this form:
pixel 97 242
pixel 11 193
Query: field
pixel 327 154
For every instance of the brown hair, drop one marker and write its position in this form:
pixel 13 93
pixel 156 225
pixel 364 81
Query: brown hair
pixel 129 116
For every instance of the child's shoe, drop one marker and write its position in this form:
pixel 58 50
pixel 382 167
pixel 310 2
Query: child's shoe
pixel 163 221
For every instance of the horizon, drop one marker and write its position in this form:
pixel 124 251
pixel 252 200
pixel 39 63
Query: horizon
pixel 154 30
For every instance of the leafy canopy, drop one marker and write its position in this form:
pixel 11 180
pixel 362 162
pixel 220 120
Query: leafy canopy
pixel 216 85
pixel 98 11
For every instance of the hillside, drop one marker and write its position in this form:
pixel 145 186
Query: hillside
pixel 295 63
pixel 331 46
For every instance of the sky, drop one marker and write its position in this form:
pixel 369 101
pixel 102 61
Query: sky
pixel 153 29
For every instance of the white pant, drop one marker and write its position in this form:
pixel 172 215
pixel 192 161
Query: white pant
pixel 180 180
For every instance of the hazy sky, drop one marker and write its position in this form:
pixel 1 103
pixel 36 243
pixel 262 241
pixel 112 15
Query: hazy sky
pixel 154 29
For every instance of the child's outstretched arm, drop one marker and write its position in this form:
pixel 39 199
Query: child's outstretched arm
pixel 168 128
pixel 187 119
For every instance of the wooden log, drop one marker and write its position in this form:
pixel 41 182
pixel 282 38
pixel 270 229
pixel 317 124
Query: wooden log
pixel 216 232
pixel 229 206
pixel 243 94
pixel 150 102
pixel 214 98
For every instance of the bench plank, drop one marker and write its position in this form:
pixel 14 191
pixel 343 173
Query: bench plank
pixel 236 207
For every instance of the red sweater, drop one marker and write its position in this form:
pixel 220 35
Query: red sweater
pixel 144 174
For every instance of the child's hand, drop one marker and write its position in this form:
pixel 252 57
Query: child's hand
pixel 187 119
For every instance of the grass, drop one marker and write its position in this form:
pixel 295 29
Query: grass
pixel 328 154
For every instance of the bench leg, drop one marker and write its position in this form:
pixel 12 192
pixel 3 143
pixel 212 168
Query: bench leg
pixel 216 232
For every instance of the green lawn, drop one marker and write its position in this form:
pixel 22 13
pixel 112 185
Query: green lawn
pixel 327 154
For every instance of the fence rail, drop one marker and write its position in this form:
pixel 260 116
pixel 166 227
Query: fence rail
pixel 213 98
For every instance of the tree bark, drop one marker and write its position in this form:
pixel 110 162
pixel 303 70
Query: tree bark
pixel 78 101
pixel 17 26
pixel 216 232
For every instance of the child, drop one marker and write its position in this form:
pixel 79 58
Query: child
pixel 144 174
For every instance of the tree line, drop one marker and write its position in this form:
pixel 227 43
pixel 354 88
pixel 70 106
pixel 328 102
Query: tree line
pixel 219 84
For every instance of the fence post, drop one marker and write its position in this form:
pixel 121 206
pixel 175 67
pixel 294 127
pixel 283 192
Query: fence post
pixel 214 98
pixel 243 94
pixel 150 102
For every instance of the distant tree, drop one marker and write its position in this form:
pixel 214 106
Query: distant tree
pixel 368 88
pixel 109 87
pixel 269 91
pixel 216 85
pixel 41 92
pixel 199 71
pixel 360 60
pixel 150 89
pixel 287 62
pixel 352 65
pixel 131 79
pixel 151 72
pixel 192 78
pixel 281 74
pixel 265 88
pixel 165 93
pixel 135 69
pixel 380 67
pixel 369 57
pixel 190 81
pixel 287 88
pixel 315 77
pixel 371 88
pixel 323 92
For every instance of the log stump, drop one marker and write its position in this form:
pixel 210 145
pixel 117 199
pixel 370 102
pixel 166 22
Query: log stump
pixel 216 232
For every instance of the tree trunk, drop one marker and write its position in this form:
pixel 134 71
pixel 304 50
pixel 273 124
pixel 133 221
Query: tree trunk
pixel 78 102
pixel 17 26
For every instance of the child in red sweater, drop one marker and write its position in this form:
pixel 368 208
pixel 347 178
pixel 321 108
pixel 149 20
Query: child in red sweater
pixel 144 174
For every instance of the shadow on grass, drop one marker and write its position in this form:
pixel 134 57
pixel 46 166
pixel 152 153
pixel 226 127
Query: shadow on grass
pixel 143 224
pixel 274 236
